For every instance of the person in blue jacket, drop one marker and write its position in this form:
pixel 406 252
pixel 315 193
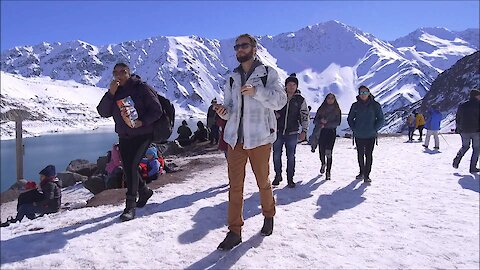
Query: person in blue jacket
pixel 432 124
pixel 365 119
pixel 153 165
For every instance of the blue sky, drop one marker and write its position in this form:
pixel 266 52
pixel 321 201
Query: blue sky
pixel 105 22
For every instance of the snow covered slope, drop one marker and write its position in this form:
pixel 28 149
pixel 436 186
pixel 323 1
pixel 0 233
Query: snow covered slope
pixel 411 217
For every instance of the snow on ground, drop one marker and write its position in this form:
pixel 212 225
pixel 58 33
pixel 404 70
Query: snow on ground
pixel 418 212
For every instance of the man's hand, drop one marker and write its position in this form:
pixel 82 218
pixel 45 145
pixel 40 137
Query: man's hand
pixel 113 87
pixel 220 109
pixel 248 90
pixel 303 136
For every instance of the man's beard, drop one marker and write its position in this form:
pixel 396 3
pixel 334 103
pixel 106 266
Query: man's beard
pixel 245 58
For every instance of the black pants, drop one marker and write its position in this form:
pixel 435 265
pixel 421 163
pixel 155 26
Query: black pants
pixel 420 130
pixel 364 154
pixel 326 141
pixel 132 151
pixel 214 134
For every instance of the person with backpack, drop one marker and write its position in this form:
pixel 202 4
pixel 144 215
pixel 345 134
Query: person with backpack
pixel 365 119
pixel 184 133
pixel 411 125
pixel 252 94
pixel 432 124
pixel 327 120
pixel 468 125
pixel 289 118
pixel 135 108
pixel 212 122
pixel 419 123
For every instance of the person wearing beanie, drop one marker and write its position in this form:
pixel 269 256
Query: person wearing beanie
pixel 292 78
pixel 152 165
pixel 365 119
pixel 52 193
pixel 468 125
pixel 293 115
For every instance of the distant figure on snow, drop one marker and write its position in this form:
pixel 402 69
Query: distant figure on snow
pixel 434 117
pixel 468 125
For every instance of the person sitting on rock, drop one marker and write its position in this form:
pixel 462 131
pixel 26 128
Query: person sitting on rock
pixel 150 166
pixel 114 168
pixel 201 135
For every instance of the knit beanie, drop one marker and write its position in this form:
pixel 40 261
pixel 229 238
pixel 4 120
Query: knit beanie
pixel 292 78
pixel 48 171
pixel 152 151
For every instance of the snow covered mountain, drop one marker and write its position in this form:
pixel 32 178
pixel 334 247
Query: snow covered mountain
pixel 448 90
pixel 327 57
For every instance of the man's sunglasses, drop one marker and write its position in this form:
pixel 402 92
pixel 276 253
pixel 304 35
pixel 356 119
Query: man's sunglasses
pixel 364 92
pixel 241 46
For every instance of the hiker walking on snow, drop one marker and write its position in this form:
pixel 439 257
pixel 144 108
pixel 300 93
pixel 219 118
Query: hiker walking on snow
pixel 251 96
pixel 134 106
pixel 326 121
pixel 433 126
pixel 289 118
pixel 411 124
pixel 365 119
pixel 419 123
pixel 212 123
pixel 468 125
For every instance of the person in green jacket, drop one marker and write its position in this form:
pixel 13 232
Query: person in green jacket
pixel 365 119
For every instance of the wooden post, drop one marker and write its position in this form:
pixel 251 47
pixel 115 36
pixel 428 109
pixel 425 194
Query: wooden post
pixel 19 147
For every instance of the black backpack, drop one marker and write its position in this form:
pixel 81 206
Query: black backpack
pixel 163 127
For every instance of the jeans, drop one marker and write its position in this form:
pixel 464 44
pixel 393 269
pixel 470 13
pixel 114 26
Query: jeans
pixel 290 142
pixel 410 133
pixel 29 210
pixel 475 139
pixel 364 155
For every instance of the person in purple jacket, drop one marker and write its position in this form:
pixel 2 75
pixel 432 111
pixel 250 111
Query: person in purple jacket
pixel 134 106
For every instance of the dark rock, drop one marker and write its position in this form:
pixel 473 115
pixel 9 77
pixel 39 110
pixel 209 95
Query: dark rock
pixel 68 179
pixel 82 166
pixel 102 164
pixel 95 184
pixel 173 148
